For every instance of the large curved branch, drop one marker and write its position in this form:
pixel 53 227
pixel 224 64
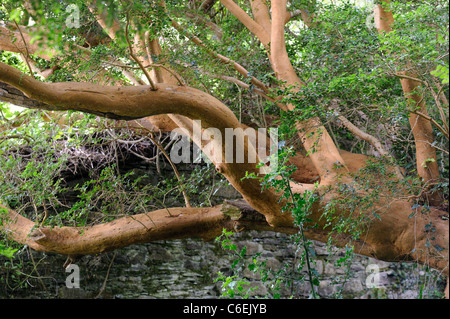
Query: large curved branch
pixel 120 102
pixel 314 136
pixel 10 94
pixel 395 237
pixel 162 224
pixel 278 53
pixel 138 102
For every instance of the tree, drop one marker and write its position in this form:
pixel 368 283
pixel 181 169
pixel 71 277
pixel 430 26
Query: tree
pixel 133 61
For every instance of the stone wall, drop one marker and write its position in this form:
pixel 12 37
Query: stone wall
pixel 187 269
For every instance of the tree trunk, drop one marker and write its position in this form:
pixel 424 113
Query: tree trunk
pixel 426 159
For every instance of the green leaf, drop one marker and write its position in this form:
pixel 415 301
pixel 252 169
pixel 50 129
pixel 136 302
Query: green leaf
pixel 441 72
pixel 7 251
pixel 316 282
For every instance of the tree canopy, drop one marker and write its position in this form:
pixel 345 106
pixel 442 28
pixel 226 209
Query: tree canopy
pixel 356 91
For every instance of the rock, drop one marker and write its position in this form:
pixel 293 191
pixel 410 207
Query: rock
pixel 72 293
pixel 248 274
pixel 257 289
pixel 159 253
pixel 381 264
pixel 273 263
pixel 146 297
pixel 326 288
pixel 385 278
pixel 189 264
pixel 353 286
pixel 322 251
pixel 329 269
pixel 357 267
pixel 410 294
pixel 252 247
pixel 226 192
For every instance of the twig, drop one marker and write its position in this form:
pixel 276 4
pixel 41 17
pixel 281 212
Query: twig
pixel 102 289
pixel 429 118
pixel 409 78
pixel 225 60
pixel 161 148
pixel 26 138
pixel 444 130
pixel 302 234
pixel 177 76
pixel 26 49
pixel 36 271
pixel 152 65
pixel 438 104
pixel 372 140
pixel 152 84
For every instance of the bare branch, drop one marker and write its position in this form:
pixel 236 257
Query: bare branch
pixel 429 118
pixel 130 47
pixel 307 18
pixel 27 56
pixel 372 140
pixel 239 68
